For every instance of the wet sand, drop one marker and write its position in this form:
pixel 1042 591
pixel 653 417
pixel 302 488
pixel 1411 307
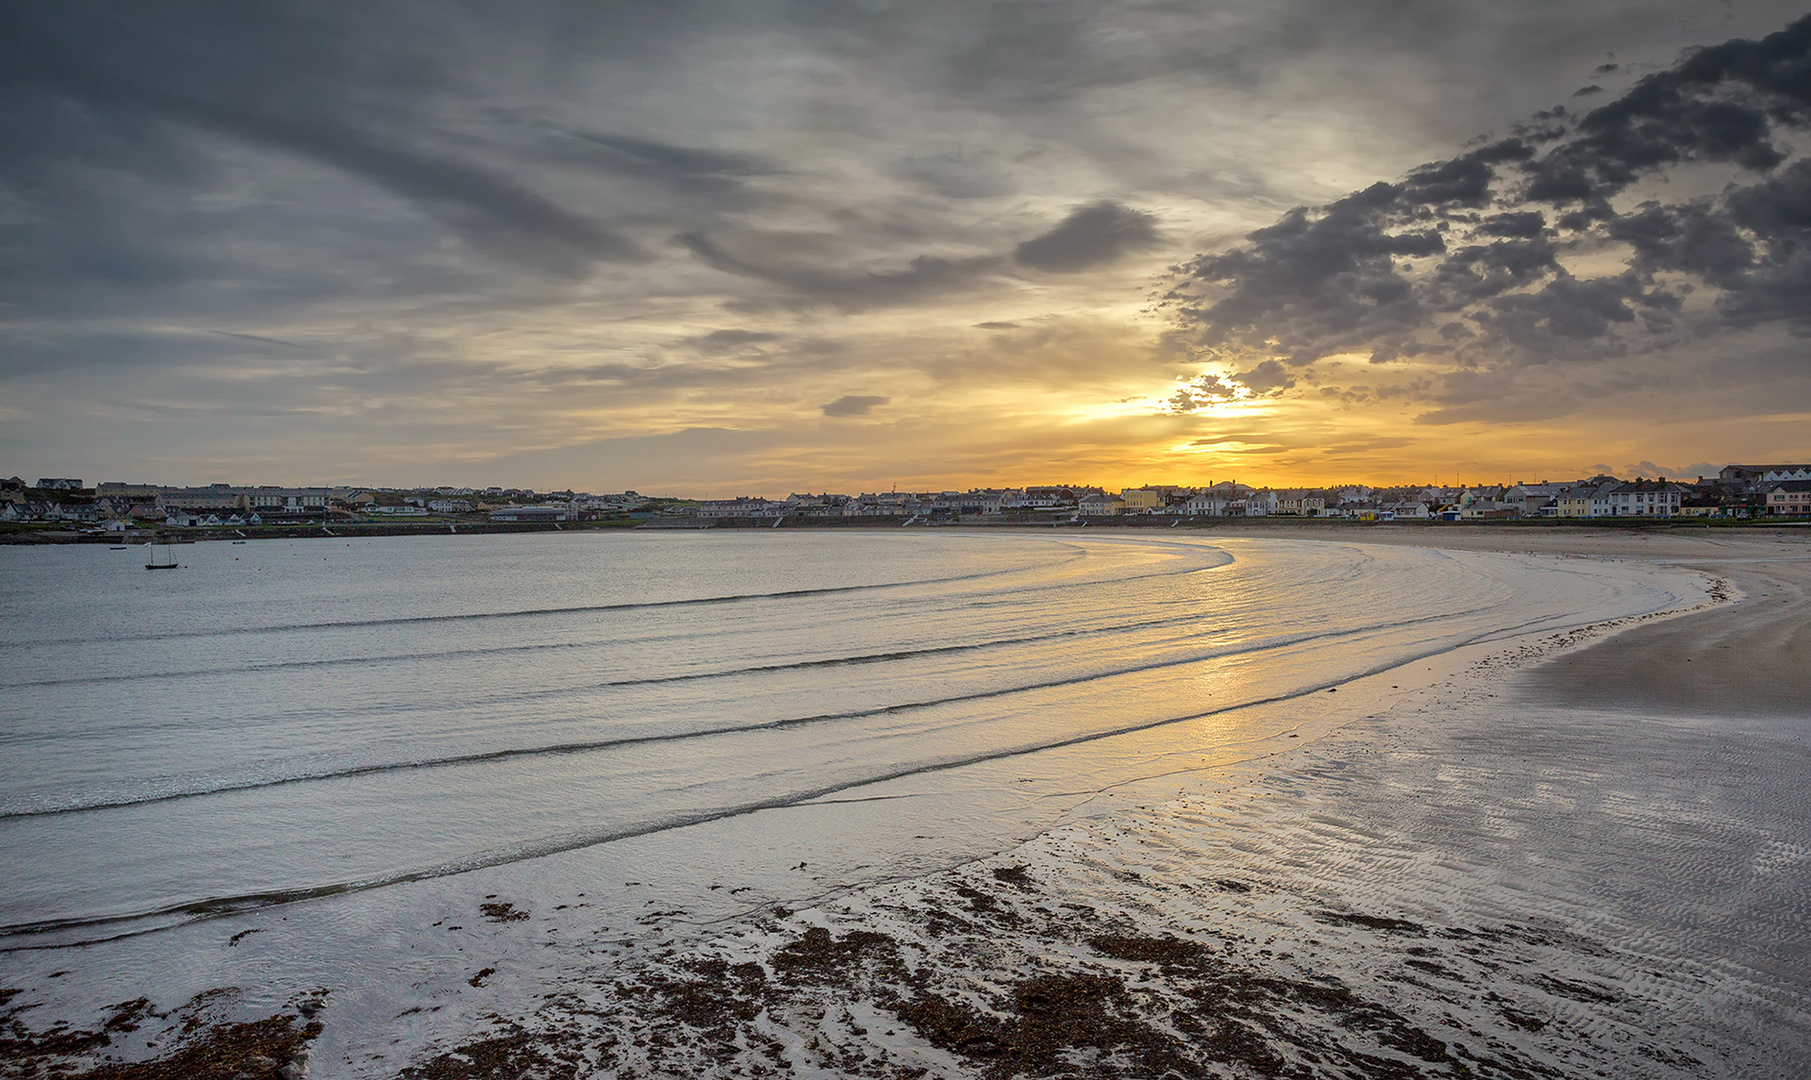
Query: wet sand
pixel 1542 861
pixel 1750 657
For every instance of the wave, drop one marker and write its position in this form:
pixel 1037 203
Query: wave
pixel 216 907
pixel 588 746
pixel 451 654
pixel 524 613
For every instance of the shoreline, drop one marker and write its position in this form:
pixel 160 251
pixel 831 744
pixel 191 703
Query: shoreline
pixel 1751 656
pixel 1267 916
pixel 994 967
pixel 1544 533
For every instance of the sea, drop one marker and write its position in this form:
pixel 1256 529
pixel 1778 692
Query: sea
pixel 307 765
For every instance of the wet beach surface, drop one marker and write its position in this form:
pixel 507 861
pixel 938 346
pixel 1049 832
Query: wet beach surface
pixel 1491 873
pixel 1518 893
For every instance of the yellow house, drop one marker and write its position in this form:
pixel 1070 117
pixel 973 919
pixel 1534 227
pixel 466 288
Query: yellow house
pixel 1140 500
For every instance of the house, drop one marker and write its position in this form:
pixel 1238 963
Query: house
pixel 972 501
pixel 1300 503
pixel 1144 500
pixel 55 483
pixel 1575 501
pixel 294 502
pixel 1701 503
pixel 1789 498
pixel 740 507
pixel 210 498
pixel 1098 504
pixel 1488 503
pixel 1641 498
pixel 118 490
pixel 809 505
pixel 1018 500
pixel 1754 475
pixel 1539 499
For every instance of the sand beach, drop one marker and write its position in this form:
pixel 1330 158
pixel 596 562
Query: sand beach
pixel 1539 855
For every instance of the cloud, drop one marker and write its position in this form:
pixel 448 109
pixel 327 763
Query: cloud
pixel 727 340
pixel 671 160
pixel 1470 258
pixel 164 80
pixel 259 339
pixel 1267 377
pixel 924 275
pixel 1200 392
pixel 488 208
pixel 459 214
pixel 854 405
pixel 1092 235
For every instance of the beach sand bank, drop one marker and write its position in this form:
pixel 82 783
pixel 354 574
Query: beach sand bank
pixel 1750 657
pixel 1530 862
pixel 1545 860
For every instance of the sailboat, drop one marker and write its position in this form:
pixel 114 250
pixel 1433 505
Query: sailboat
pixel 153 564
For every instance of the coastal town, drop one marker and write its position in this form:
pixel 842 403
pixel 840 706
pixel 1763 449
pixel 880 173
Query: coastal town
pixel 67 507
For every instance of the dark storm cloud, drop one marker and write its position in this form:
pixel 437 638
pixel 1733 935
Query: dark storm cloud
pixel 1090 236
pixel 854 405
pixel 1461 257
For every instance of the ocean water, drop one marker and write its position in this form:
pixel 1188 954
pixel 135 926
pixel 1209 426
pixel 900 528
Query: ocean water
pixel 350 735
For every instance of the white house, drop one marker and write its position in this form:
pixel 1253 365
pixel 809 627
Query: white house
pixel 1640 498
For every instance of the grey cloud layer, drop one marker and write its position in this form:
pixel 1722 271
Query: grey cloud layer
pixel 854 405
pixel 628 203
pixel 1467 257
pixel 1090 236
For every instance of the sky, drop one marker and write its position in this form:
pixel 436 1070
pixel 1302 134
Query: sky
pixel 724 247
